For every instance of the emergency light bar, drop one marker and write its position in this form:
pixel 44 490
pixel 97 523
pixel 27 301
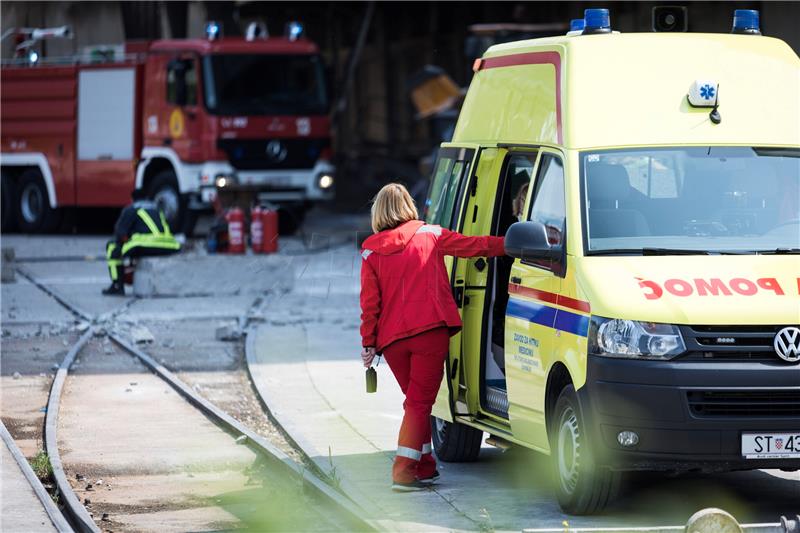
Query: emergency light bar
pixel 294 30
pixel 213 30
pixel 596 21
pixel 746 21
pixel 576 26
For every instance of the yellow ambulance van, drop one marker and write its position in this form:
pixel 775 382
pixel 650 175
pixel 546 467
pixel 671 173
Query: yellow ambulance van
pixel 647 316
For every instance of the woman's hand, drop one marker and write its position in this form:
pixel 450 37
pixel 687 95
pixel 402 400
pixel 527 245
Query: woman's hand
pixel 367 355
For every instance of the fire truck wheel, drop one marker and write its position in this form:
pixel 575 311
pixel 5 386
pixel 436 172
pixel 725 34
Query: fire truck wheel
pixel 454 442
pixel 34 214
pixel 165 193
pixel 582 487
pixel 8 193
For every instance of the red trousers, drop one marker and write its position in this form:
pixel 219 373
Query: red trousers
pixel 418 365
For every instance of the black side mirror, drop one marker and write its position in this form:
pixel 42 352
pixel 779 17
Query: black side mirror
pixel 528 241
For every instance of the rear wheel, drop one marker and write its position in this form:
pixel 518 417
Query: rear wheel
pixel 454 442
pixel 581 486
pixel 8 194
pixel 34 214
pixel 165 193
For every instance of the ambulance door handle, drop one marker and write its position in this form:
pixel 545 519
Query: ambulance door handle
pixel 458 295
pixel 515 280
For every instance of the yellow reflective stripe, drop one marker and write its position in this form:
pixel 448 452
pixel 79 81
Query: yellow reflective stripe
pixel 164 224
pixel 150 241
pixel 110 249
pixel 148 221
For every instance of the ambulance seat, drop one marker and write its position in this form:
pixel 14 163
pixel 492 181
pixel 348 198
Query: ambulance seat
pixel 609 192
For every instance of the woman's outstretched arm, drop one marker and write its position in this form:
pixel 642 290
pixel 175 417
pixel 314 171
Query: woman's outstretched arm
pixel 453 243
pixel 370 305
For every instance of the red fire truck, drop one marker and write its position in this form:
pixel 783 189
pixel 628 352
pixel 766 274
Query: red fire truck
pixel 177 118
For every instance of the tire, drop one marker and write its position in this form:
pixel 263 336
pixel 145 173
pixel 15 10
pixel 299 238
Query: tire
pixel 582 487
pixel 8 195
pixel 165 193
pixel 34 214
pixel 454 442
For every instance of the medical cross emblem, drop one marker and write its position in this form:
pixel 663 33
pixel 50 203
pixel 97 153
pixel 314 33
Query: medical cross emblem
pixel 707 91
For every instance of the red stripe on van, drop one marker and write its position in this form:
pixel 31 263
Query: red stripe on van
pixel 532 58
pixel 549 297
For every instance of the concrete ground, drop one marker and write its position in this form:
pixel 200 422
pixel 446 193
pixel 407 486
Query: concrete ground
pixel 20 509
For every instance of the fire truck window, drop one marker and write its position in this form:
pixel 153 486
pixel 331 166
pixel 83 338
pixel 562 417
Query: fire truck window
pixel 182 82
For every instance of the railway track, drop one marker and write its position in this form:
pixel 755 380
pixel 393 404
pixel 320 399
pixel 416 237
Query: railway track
pixel 337 512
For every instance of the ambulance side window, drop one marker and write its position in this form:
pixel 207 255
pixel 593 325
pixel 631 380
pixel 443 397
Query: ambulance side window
pixel 548 205
pixel 446 184
pixel 182 82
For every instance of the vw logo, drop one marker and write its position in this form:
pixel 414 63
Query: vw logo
pixel 787 344
pixel 276 151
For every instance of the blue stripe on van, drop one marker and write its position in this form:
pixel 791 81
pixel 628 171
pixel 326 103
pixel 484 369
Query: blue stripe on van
pixel 548 316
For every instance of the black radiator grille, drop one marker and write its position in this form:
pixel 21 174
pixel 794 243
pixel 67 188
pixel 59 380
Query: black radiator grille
pixel 269 154
pixel 745 403
pixel 731 343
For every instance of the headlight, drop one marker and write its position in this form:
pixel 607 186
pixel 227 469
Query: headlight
pixel 630 339
pixel 224 180
pixel 325 181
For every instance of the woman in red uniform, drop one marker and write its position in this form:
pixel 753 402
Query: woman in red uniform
pixel 408 313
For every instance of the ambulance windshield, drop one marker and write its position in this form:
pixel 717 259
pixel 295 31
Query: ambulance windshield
pixel 691 200
pixel 251 84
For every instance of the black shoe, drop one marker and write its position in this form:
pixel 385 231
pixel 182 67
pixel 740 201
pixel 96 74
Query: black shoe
pixel 409 487
pixel 430 480
pixel 115 289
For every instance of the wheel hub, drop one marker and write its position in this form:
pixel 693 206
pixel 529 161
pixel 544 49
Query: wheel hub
pixel 167 201
pixel 440 428
pixel 31 203
pixel 568 450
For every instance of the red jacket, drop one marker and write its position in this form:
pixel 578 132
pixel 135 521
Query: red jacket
pixel 405 289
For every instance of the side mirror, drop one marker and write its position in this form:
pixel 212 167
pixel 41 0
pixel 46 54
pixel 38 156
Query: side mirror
pixel 528 241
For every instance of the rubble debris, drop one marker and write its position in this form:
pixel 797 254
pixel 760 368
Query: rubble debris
pixel 141 335
pixel 17 375
pixel 228 333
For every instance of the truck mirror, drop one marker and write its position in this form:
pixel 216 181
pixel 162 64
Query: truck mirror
pixel 528 241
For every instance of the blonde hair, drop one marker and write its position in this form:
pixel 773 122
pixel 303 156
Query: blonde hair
pixel 391 207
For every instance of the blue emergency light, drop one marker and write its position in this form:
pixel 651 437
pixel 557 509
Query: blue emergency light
pixel 212 30
pixel 294 30
pixel 746 21
pixel 577 24
pixel 596 21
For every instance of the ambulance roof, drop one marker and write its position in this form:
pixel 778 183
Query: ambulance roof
pixel 631 89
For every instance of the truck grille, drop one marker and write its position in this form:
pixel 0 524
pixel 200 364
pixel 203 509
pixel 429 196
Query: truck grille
pixel 731 343
pixel 746 403
pixel 271 154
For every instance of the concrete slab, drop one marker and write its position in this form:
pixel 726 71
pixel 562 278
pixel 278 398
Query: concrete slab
pixel 24 303
pixel 21 508
pixel 54 246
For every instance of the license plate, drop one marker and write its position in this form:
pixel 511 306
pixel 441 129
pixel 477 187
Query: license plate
pixel 771 445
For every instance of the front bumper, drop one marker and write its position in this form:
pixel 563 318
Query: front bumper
pixel 276 186
pixel 662 402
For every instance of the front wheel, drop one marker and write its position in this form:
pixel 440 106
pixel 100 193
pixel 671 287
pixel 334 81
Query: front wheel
pixel 454 442
pixel 167 196
pixel 34 214
pixel 582 487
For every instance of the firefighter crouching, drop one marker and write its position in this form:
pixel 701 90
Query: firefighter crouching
pixel 140 231
pixel 408 313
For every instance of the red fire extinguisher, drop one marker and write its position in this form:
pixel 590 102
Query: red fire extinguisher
pixel 235 218
pixel 269 224
pixel 256 230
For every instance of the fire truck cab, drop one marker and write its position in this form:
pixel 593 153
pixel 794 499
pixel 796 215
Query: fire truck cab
pixel 180 119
